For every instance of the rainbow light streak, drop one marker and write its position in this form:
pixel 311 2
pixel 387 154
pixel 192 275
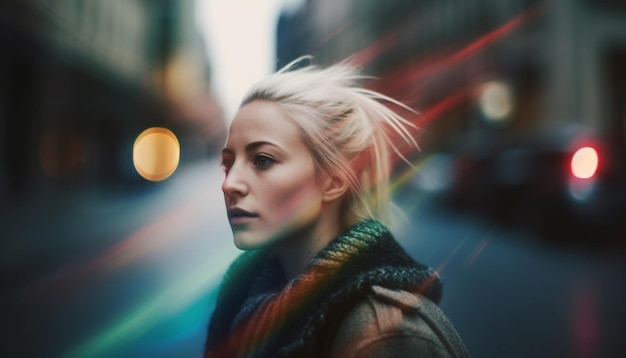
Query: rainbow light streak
pixel 442 266
pixel 407 174
pixel 407 81
pixel 146 241
pixel 179 296
pixel 197 284
pixel 158 236
pixel 422 120
pixel 169 303
pixel 478 250
pixel 281 309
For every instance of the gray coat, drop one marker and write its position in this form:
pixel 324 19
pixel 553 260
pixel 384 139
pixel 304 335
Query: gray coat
pixel 396 323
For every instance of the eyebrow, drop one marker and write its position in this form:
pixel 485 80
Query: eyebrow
pixel 250 147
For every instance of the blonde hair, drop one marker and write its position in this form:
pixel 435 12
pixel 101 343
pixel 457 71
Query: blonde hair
pixel 347 128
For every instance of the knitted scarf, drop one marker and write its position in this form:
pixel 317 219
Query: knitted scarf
pixel 258 314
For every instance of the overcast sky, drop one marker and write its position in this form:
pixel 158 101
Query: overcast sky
pixel 240 38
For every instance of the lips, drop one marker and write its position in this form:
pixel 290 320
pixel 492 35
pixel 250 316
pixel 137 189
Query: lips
pixel 237 215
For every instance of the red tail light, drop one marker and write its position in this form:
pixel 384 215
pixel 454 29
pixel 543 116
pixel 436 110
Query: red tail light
pixel 584 163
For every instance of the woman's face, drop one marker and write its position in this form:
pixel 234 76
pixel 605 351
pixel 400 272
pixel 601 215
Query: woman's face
pixel 270 186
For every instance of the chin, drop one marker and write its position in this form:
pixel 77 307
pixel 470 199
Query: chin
pixel 245 241
pixel 252 240
pixel 242 245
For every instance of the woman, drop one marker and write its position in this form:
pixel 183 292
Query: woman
pixel 306 191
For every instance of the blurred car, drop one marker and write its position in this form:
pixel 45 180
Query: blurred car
pixel 566 183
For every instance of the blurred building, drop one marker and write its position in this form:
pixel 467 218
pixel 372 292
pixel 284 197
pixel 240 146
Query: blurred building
pixel 79 80
pixel 561 60
pixel 510 93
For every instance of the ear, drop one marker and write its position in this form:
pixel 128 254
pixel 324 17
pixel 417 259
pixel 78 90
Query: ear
pixel 335 187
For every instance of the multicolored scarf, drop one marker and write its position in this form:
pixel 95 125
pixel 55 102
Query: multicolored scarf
pixel 259 314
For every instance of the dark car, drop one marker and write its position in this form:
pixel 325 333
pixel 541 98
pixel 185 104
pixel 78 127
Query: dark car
pixel 565 184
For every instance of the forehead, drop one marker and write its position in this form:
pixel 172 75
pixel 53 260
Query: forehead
pixel 264 121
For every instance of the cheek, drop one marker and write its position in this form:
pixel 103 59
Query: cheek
pixel 295 197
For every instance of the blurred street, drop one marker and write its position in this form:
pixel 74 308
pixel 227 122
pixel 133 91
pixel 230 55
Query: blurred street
pixel 519 201
pixel 111 275
pixel 107 274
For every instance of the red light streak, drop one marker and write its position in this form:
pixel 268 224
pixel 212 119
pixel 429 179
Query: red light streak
pixel 409 81
pixel 370 52
pixel 442 107
pixel 408 75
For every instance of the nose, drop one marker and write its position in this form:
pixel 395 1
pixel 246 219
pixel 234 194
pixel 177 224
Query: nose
pixel 234 183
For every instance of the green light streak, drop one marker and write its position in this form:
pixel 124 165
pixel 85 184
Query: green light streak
pixel 150 314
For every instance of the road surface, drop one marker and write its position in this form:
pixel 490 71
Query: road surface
pixel 95 274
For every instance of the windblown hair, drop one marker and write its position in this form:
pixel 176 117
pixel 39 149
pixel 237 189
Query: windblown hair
pixel 348 129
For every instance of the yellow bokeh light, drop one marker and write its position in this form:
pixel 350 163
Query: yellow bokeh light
pixel 156 153
pixel 496 101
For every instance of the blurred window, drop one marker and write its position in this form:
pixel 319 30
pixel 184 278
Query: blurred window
pixel 616 79
pixel 612 5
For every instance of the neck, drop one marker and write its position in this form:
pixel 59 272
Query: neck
pixel 296 251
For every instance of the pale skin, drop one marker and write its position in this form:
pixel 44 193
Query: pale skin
pixel 273 193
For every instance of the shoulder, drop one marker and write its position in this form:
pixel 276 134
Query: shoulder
pixel 394 323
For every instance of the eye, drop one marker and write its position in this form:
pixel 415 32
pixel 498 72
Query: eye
pixel 262 161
